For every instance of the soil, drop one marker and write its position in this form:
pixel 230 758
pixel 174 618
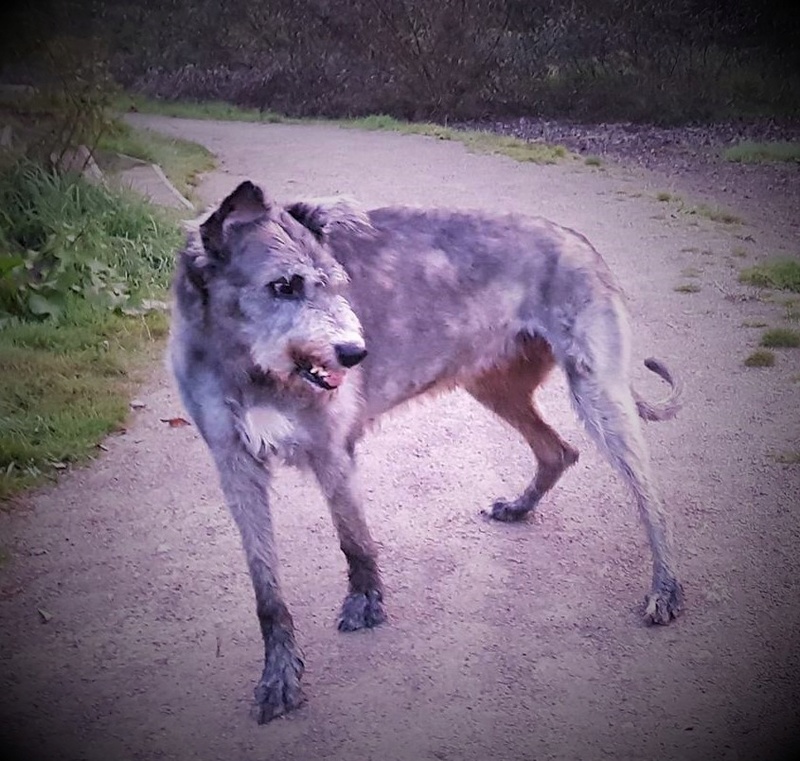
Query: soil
pixel 127 628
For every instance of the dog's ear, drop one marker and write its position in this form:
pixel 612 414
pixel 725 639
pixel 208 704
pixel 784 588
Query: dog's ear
pixel 320 215
pixel 246 204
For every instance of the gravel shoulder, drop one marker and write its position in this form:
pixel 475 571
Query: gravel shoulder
pixel 504 641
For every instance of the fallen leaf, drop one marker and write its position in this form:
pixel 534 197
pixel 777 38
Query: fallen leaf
pixel 175 422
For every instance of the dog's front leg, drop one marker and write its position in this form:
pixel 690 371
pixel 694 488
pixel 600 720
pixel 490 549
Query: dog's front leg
pixel 363 606
pixel 244 481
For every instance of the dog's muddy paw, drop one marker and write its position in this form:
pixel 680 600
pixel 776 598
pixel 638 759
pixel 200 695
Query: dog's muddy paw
pixel 361 611
pixel 506 512
pixel 664 603
pixel 279 690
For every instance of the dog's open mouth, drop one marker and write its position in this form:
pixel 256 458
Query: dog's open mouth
pixel 319 375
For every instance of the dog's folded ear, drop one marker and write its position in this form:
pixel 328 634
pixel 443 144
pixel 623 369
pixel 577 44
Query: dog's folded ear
pixel 321 215
pixel 246 204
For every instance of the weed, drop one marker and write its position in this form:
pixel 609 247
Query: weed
pixel 687 288
pixel 781 338
pixel 792 309
pixel 77 259
pixel 749 152
pixel 760 358
pixel 715 214
pixel 781 273
pixel 665 197
pixel 593 161
pixel 754 324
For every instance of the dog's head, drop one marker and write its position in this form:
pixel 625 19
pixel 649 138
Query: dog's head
pixel 266 282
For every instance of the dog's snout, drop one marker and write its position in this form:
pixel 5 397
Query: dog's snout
pixel 349 355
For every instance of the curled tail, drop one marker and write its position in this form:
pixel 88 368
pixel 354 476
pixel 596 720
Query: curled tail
pixel 667 408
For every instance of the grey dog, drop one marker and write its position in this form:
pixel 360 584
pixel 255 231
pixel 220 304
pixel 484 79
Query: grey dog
pixel 276 309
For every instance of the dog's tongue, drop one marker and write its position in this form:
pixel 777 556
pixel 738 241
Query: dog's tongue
pixel 335 378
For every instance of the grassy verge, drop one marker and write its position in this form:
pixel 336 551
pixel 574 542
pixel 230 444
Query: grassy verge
pixel 216 110
pixel 749 152
pixel 478 142
pixel 782 274
pixel 181 160
pixel 79 266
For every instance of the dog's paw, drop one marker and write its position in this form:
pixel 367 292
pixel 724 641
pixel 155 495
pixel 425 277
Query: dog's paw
pixel 279 690
pixel 506 512
pixel 361 611
pixel 664 603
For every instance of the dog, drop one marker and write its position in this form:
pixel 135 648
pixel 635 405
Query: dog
pixel 296 326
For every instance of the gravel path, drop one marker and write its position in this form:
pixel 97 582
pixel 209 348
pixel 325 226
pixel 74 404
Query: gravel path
pixel 504 642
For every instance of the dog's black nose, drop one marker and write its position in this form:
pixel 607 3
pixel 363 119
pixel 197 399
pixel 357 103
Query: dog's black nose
pixel 349 355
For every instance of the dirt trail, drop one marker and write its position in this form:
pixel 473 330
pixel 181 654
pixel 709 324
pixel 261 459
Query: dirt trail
pixel 504 641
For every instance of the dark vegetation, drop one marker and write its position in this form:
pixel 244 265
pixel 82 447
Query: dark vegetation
pixel 640 60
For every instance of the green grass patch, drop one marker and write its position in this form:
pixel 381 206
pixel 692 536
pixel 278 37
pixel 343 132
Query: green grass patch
pixel 782 274
pixel 593 161
pixel 786 338
pixel 687 288
pixel 792 307
pixel 182 160
pixel 79 266
pixel 749 152
pixel 715 214
pixel 212 110
pixel 474 140
pixel 760 358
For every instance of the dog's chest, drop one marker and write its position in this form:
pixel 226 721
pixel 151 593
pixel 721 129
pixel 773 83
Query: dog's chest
pixel 269 431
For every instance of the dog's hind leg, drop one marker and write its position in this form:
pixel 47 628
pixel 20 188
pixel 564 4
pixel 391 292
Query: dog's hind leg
pixel 363 606
pixel 602 395
pixel 244 482
pixel 508 390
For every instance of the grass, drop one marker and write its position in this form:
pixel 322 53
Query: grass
pixel 476 141
pixel 760 358
pixel 593 161
pixel 782 274
pixel 792 309
pixel 66 375
pixel 749 152
pixel 216 110
pixel 786 338
pixel 181 160
pixel 715 214
pixel 687 288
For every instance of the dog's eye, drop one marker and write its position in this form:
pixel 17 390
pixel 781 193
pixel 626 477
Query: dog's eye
pixel 287 289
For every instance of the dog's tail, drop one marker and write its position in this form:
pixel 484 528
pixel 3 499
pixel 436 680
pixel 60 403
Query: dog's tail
pixel 667 408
